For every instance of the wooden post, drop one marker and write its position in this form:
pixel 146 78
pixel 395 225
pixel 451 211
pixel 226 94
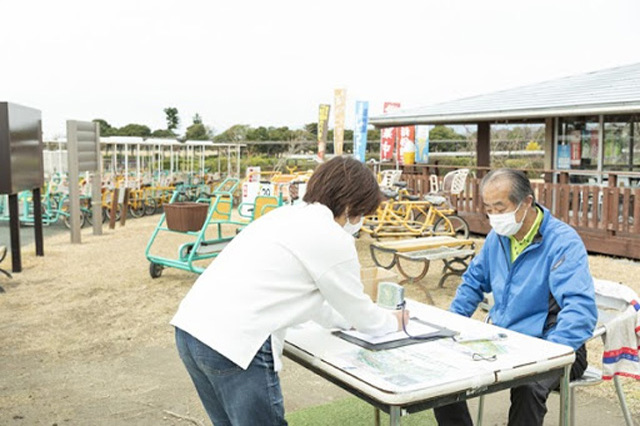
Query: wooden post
pixel 125 207
pixel 114 209
pixel 563 178
pixel 549 130
pixel 483 147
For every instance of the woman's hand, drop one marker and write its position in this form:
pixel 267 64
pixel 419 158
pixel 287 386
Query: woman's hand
pixel 401 315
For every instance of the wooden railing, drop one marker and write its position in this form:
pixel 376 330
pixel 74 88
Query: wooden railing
pixel 606 217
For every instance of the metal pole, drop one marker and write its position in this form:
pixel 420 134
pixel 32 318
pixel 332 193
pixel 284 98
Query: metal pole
pixel 14 228
pixel 96 193
pixel 126 165
pixel 138 166
pixel 394 416
pixel 600 148
pixel 60 157
pixel 74 196
pixel 238 160
pixel 37 221
pixel 171 162
pixel 565 402
pixel 623 402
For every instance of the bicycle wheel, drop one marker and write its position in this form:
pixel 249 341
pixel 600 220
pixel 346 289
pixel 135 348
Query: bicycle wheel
pixel 137 208
pixel 150 206
pixel 106 213
pixel 456 226
pixel 88 216
pixel 67 220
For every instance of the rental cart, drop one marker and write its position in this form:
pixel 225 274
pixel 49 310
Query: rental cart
pixel 195 220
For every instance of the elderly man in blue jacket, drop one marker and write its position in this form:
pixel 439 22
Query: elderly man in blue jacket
pixel 537 269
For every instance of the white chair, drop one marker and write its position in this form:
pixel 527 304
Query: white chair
pixel 389 177
pixel 607 308
pixel 434 184
pixel 453 183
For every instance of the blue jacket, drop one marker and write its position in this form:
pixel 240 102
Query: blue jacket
pixel 555 264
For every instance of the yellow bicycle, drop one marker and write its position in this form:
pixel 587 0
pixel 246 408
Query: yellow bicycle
pixel 405 215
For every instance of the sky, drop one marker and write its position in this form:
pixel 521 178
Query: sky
pixel 272 62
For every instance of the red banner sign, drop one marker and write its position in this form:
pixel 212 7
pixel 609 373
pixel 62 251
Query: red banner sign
pixel 388 134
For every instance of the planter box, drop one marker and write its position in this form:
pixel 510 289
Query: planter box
pixel 184 217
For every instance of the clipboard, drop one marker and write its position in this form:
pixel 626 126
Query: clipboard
pixel 398 343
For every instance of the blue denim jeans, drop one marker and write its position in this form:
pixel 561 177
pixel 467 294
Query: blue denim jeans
pixel 230 395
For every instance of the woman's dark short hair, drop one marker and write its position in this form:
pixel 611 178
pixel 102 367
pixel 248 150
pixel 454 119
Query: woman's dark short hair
pixel 344 183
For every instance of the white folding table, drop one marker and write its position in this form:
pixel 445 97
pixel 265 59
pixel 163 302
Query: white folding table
pixel 429 374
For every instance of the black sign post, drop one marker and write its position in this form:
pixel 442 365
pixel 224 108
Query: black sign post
pixel 21 169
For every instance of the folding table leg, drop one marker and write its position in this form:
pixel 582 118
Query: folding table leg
pixel 565 402
pixel 394 416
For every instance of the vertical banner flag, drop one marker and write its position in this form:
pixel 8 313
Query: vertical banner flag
pixel 422 144
pixel 340 96
pixel 406 147
pixel 323 129
pixel 388 134
pixel 360 130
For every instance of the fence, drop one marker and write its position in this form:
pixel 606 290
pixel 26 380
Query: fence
pixel 606 217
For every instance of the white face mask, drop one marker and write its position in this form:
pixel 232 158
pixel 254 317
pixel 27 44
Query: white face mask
pixel 352 228
pixel 505 223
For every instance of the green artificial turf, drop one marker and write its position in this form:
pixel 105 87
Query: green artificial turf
pixel 351 412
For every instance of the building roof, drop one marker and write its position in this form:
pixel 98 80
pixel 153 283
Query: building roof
pixel 612 90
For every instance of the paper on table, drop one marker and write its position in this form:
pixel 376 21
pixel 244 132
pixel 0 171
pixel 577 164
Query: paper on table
pixel 414 328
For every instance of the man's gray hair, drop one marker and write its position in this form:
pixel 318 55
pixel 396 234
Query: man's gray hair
pixel 520 184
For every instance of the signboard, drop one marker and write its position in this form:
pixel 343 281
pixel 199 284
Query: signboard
pixel 564 157
pixel 388 134
pixel 340 96
pixel 360 130
pixel 253 174
pixel 251 190
pixel 323 129
pixel 422 144
pixel 406 145
pixel 21 165
pixel 21 169
pixel 83 155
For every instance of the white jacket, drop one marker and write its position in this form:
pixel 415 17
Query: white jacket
pixel 278 272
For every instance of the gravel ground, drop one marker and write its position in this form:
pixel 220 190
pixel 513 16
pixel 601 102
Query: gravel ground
pixel 85 340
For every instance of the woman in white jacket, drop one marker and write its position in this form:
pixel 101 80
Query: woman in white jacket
pixel 295 264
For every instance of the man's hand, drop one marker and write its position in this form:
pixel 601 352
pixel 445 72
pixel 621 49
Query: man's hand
pixel 402 315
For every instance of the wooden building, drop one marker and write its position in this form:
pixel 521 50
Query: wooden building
pixel 591 175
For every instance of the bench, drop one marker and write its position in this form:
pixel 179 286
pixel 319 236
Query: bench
pixel 455 254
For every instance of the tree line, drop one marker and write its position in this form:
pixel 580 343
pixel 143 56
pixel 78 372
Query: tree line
pixel 448 139
pixel 196 131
